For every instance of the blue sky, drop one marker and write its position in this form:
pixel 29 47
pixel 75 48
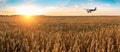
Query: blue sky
pixel 74 7
pixel 57 2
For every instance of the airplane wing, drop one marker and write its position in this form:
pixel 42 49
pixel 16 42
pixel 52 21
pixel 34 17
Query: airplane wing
pixel 88 11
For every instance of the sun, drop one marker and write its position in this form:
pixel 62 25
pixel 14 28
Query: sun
pixel 28 10
pixel 24 12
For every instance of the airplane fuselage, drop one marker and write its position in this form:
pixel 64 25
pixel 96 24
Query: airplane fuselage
pixel 90 10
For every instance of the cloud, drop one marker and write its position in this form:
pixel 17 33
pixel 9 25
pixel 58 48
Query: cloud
pixel 2 2
pixel 66 2
pixel 78 9
pixel 29 0
pixel 90 0
pixel 102 9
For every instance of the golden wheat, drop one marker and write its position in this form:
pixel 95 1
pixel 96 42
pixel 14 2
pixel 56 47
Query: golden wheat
pixel 60 34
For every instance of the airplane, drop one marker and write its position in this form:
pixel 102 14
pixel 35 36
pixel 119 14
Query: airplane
pixel 91 10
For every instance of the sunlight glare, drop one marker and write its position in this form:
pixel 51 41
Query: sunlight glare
pixel 28 10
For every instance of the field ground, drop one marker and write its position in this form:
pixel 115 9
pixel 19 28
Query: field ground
pixel 60 34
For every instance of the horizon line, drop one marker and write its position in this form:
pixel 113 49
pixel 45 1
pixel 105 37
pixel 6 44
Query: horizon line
pixel 62 15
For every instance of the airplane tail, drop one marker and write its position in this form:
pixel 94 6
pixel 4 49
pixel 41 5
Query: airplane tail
pixel 95 8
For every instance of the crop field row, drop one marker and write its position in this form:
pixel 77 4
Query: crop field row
pixel 60 34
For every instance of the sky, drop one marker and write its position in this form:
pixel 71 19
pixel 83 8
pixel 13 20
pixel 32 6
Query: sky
pixel 59 7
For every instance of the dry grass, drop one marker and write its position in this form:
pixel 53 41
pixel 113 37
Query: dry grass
pixel 60 34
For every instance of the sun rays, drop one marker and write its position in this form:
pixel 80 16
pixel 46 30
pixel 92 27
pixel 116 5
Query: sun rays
pixel 28 10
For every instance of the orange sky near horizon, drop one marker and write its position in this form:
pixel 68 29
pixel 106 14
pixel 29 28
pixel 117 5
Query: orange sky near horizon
pixel 57 11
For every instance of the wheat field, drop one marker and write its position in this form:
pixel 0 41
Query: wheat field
pixel 60 34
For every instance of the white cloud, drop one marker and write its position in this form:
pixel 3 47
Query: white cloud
pixel 102 9
pixel 2 2
pixel 29 0
pixel 90 0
